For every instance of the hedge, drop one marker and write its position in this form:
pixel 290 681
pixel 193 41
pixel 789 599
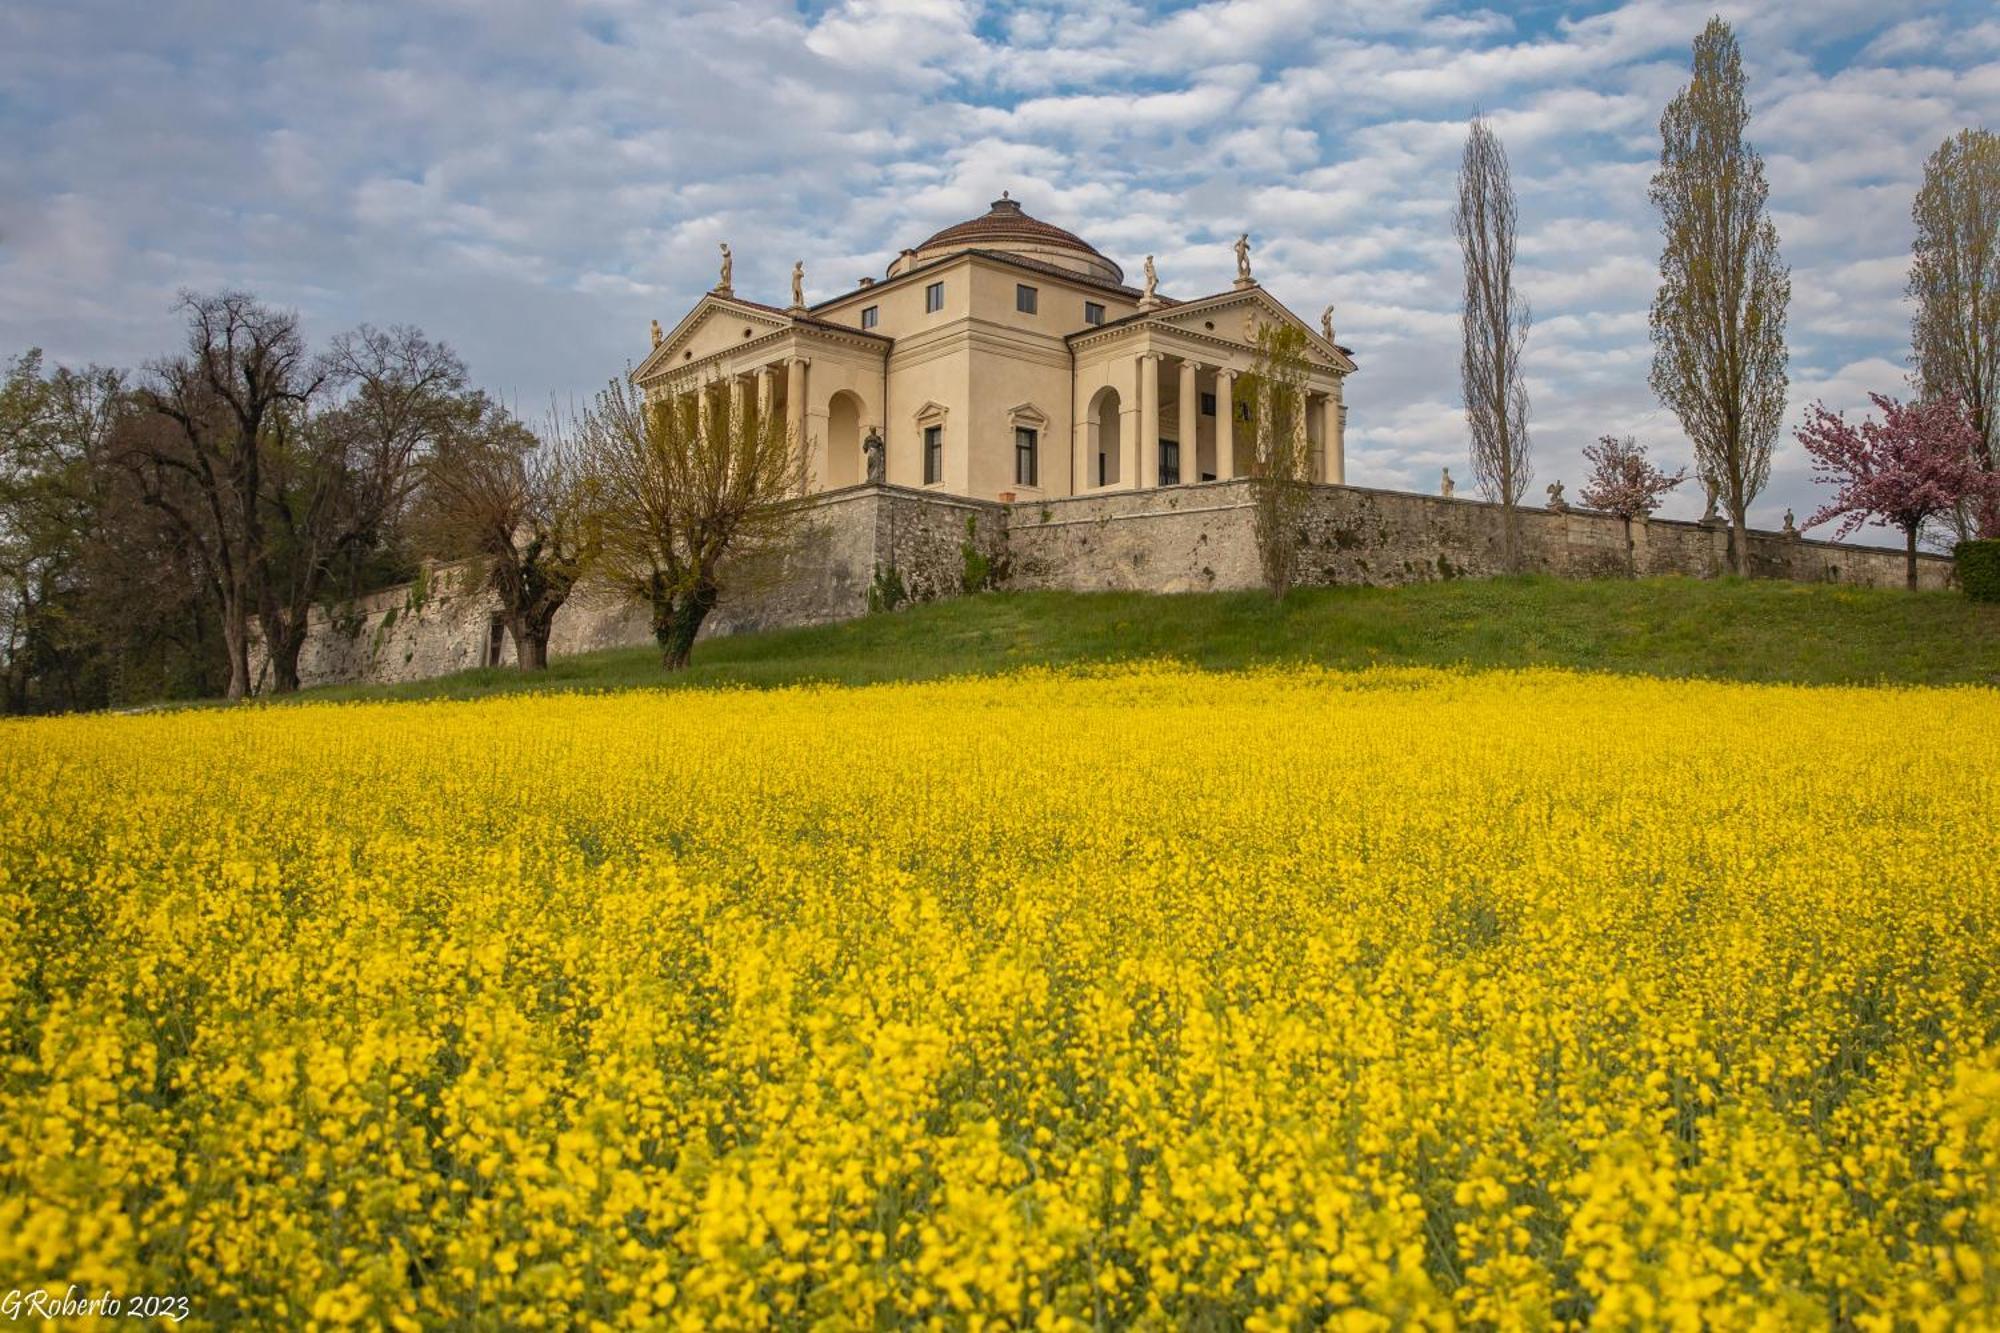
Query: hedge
pixel 1979 569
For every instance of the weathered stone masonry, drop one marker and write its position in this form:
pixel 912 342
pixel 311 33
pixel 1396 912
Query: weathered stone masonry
pixel 870 547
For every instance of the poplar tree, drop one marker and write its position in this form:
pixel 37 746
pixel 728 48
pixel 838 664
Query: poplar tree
pixel 1494 322
pixel 1955 285
pixel 1718 321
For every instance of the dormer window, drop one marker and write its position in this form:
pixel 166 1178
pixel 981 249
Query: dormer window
pixel 1093 312
pixel 869 316
pixel 1024 298
pixel 933 298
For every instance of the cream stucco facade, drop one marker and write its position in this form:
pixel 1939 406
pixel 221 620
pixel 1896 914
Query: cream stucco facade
pixel 1004 358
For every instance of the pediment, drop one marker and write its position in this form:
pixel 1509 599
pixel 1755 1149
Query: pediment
pixel 1235 314
pixel 716 324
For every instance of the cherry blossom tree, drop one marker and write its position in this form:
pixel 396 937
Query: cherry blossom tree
pixel 1623 481
pixel 1917 463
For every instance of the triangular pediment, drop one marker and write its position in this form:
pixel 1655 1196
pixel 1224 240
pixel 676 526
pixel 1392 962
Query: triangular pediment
pixel 1234 315
pixel 716 324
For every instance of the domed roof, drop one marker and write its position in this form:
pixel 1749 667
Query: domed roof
pixel 1005 226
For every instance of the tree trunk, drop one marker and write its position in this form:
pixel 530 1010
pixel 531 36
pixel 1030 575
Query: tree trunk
pixel 1631 551
pixel 1910 559
pixel 1739 543
pixel 677 642
pixel 284 640
pixel 236 647
pixel 531 641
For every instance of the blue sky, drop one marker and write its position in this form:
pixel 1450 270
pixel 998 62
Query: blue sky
pixel 533 181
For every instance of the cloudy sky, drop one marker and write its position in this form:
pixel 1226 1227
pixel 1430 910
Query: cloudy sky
pixel 533 181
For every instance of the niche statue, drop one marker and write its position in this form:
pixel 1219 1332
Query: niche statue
pixel 872 451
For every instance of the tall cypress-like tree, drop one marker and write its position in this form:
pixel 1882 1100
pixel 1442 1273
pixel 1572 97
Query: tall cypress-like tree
pixel 1718 320
pixel 1495 326
pixel 1955 283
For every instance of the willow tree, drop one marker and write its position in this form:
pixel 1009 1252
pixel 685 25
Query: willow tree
pixel 1718 321
pixel 1281 471
pixel 519 508
pixel 1494 321
pixel 683 485
pixel 1955 284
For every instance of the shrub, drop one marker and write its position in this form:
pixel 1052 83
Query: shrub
pixel 1979 569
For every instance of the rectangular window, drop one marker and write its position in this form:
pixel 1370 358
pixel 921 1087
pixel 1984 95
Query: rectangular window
pixel 934 298
pixel 933 455
pixel 1024 457
pixel 1093 312
pixel 1208 404
pixel 1024 298
pixel 869 315
pixel 1170 463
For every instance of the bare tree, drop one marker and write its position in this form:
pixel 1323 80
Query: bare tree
pixel 519 508
pixel 336 478
pixel 1718 320
pixel 1495 326
pixel 1955 283
pixel 683 485
pixel 1281 473
pixel 244 369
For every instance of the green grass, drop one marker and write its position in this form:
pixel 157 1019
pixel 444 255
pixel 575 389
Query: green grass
pixel 1726 629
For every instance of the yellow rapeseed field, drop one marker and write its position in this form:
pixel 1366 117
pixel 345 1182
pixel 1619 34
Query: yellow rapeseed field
pixel 1151 997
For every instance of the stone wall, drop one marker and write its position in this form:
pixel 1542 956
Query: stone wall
pixel 868 547
pixel 1192 539
pixel 444 622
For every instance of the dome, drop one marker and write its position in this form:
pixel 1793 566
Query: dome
pixel 1006 227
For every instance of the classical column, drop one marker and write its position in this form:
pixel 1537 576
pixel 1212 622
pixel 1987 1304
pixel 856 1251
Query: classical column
pixel 1190 425
pixel 1149 420
pixel 1225 423
pixel 1332 436
pixel 735 401
pixel 767 383
pixel 795 416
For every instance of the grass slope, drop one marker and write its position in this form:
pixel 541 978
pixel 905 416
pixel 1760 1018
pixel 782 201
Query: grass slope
pixel 1724 629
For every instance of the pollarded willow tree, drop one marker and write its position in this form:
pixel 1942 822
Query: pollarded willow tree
pixel 1495 325
pixel 1281 475
pixel 1955 284
pixel 519 508
pixel 1718 320
pixel 682 485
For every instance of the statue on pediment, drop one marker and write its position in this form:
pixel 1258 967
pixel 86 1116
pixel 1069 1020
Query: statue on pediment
pixel 1151 295
pixel 658 337
pixel 799 285
pixel 1326 321
pixel 728 268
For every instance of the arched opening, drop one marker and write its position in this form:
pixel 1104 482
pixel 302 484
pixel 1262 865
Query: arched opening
pixel 844 465
pixel 1105 451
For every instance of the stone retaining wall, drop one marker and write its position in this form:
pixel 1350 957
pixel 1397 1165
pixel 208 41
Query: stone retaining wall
pixel 1198 538
pixel 868 547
